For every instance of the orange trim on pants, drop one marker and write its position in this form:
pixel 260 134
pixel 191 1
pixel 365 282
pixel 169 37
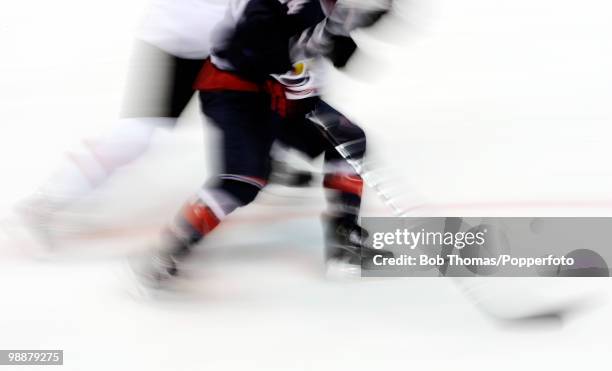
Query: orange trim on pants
pixel 345 183
pixel 201 217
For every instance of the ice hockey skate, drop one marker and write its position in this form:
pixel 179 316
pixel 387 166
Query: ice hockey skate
pixel 345 252
pixel 156 269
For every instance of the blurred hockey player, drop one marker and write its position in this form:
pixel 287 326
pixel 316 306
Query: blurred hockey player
pixel 246 92
pixel 171 46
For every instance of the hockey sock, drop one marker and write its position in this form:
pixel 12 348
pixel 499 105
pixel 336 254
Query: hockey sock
pixel 344 190
pixel 203 213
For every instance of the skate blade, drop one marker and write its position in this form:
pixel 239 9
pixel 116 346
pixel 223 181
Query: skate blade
pixel 342 270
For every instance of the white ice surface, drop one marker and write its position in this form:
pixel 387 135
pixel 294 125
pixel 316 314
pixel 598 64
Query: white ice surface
pixel 480 107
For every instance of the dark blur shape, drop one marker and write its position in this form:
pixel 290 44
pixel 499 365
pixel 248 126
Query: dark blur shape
pixel 587 263
pixel 375 17
pixel 497 243
pixel 344 48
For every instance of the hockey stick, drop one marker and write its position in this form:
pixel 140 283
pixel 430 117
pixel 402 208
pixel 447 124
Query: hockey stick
pixel 480 290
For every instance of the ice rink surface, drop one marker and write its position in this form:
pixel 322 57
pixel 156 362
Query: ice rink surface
pixel 475 108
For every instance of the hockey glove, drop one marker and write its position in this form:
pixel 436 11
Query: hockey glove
pixel 343 48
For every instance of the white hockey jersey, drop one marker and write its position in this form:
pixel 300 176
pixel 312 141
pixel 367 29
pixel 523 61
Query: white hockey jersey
pixel 182 27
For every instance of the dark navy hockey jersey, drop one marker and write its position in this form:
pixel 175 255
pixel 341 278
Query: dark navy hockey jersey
pixel 253 40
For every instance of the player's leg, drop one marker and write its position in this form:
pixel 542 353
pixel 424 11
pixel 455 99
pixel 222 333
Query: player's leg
pixel 158 89
pixel 346 146
pixel 328 132
pixel 246 138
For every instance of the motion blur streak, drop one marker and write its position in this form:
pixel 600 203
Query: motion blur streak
pixel 471 108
